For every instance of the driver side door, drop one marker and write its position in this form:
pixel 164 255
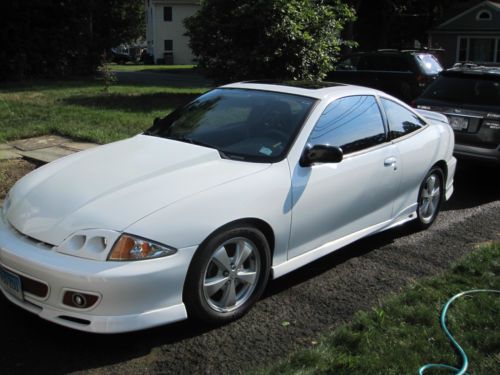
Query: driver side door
pixel 333 200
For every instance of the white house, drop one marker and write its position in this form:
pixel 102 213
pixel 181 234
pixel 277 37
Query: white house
pixel 165 30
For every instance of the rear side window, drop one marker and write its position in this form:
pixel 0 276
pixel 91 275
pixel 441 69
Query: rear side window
pixel 467 89
pixel 428 63
pixel 401 120
pixel 394 63
pixel 353 123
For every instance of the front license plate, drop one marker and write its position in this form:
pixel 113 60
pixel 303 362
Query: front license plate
pixel 459 123
pixel 11 283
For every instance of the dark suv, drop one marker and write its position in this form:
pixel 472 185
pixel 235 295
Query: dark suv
pixel 403 74
pixel 469 95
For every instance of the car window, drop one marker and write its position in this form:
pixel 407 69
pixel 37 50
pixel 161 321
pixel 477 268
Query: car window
pixel 395 63
pixel 250 125
pixel 468 89
pixel 401 120
pixel 351 63
pixel 429 64
pixel 353 123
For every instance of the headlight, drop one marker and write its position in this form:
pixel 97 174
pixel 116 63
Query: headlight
pixel 129 247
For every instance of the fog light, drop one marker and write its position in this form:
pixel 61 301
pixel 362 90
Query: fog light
pixel 79 300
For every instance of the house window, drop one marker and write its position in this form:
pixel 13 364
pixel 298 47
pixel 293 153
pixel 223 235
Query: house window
pixel 462 49
pixel 169 45
pixel 167 13
pixel 484 15
pixel 478 49
pixel 481 49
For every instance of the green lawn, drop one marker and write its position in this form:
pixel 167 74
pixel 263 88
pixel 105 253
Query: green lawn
pixel 81 110
pixel 404 333
pixel 140 67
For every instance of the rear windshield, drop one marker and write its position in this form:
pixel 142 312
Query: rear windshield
pixel 429 63
pixel 465 89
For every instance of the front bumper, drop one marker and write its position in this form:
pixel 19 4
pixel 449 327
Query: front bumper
pixel 132 295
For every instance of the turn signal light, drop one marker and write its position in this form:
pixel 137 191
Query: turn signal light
pixel 133 248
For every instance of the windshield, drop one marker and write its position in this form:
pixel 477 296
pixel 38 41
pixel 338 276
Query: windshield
pixel 250 125
pixel 466 89
pixel 429 64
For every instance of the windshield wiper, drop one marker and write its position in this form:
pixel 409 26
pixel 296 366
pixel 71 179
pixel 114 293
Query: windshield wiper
pixel 194 142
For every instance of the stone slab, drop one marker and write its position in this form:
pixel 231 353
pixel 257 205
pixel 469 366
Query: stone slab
pixel 78 146
pixel 47 155
pixel 37 143
pixel 5 146
pixel 7 154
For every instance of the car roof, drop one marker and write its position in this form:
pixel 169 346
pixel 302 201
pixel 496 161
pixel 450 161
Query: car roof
pixel 317 90
pixel 472 70
pixel 390 51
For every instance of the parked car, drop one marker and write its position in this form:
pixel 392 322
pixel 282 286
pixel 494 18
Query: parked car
pixel 403 74
pixel 118 56
pixel 194 216
pixel 469 95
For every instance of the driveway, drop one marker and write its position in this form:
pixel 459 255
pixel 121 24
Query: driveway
pixel 296 310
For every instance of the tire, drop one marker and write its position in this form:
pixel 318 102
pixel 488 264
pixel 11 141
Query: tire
pixel 430 197
pixel 221 284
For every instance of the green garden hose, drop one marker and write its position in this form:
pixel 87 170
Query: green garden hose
pixel 465 361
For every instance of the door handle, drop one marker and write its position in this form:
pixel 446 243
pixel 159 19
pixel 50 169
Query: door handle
pixel 391 162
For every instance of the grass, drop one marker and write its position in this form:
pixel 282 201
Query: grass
pixel 158 68
pixel 81 110
pixel 403 333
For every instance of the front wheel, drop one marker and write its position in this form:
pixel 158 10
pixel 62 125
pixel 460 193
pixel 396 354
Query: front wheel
pixel 430 197
pixel 228 275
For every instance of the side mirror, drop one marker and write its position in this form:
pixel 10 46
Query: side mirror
pixel 321 154
pixel 156 120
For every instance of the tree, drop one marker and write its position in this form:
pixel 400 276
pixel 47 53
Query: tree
pixel 61 37
pixel 278 39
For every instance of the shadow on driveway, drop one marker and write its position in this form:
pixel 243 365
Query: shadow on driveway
pixel 476 183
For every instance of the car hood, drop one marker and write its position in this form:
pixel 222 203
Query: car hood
pixel 113 186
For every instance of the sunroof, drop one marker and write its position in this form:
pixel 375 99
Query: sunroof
pixel 312 85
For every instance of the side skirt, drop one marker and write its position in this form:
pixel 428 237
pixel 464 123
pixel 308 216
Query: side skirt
pixel 290 265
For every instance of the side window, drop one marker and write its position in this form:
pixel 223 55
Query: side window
pixel 401 120
pixel 353 123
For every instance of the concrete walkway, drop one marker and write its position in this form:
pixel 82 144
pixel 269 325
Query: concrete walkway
pixel 42 149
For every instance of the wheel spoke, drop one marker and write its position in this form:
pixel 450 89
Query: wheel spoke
pixel 222 259
pixel 243 251
pixel 431 182
pixel 247 277
pixel 425 206
pixel 229 298
pixel 214 284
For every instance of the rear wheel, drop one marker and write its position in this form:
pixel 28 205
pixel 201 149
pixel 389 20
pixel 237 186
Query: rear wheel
pixel 430 197
pixel 228 275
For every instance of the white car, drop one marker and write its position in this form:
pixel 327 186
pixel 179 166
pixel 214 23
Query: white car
pixel 192 218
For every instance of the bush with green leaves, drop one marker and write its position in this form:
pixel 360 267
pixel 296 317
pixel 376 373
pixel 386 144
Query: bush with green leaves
pixel 272 39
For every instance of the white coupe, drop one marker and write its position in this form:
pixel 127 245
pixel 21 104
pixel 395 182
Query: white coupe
pixel 248 182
